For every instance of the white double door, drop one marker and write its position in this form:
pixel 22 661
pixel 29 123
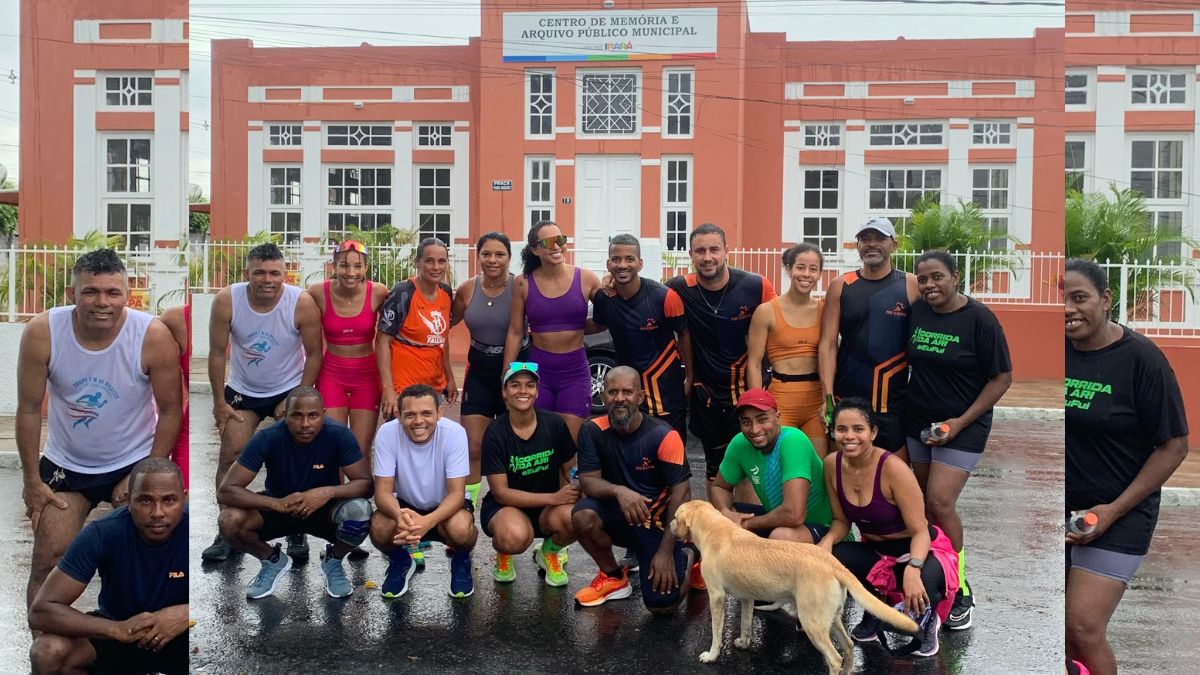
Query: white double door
pixel 608 196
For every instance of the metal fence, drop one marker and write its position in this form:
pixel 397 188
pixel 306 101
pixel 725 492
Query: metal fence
pixel 1155 298
pixel 33 279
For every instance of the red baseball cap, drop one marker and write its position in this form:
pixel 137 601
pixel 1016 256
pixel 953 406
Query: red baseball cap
pixel 756 398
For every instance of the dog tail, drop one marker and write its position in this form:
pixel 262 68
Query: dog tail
pixel 872 604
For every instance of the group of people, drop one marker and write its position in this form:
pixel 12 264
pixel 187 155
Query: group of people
pixel 899 353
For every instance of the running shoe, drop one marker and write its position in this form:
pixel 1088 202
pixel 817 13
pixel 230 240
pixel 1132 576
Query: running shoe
pixel 399 572
pixel 504 572
pixel 461 584
pixel 336 584
pixel 630 561
pixel 218 551
pixel 562 556
pixel 268 577
pixel 415 552
pixel 551 564
pixel 358 553
pixel 928 637
pixel 698 579
pixel 961 612
pixel 297 547
pixel 604 588
pixel 867 630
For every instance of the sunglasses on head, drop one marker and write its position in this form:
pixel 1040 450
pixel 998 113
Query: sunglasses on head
pixel 546 242
pixel 349 245
pixel 518 366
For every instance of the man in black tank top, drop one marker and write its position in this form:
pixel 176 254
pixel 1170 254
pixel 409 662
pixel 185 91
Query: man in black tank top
pixel 870 309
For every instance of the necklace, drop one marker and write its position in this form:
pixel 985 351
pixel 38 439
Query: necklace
pixel 492 298
pixel 715 310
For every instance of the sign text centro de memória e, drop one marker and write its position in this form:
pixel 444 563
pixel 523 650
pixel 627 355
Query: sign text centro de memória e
pixel 611 35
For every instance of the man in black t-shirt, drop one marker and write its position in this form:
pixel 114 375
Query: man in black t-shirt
pixel 719 302
pixel 527 457
pixel 305 456
pixel 649 334
pixel 633 473
pixel 141 552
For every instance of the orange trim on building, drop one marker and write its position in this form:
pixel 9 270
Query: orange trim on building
pixel 84 80
pixel 992 155
pixel 127 31
pixel 1081 23
pixel 433 156
pixel 184 121
pixel 358 156
pixel 277 155
pixel 125 121
pixel 993 88
pixel 1160 120
pixel 166 81
pixel 254 127
pixel 824 90
pixel 1109 77
pixel 906 156
pixel 812 157
pixel 908 89
pixel 960 126
pixel 856 127
pixel 311 127
pixel 1161 23
pixel 282 94
pixel 1079 121
pixel 433 93
pixel 356 93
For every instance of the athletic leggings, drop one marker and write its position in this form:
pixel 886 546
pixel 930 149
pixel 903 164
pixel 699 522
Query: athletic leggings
pixel 860 556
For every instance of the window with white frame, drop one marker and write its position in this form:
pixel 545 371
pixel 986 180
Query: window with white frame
pixel 608 103
pixel 991 133
pixel 1158 88
pixel 433 203
pixel 821 194
pixel 893 193
pixel 990 192
pixel 359 135
pixel 539 189
pixel 907 134
pixel 999 229
pixel 125 91
pixel 1075 162
pixel 822 135
pixel 1156 169
pixel 283 214
pixel 678 103
pixel 434 135
pixel 677 202
pixel 127 202
pixel 1168 224
pixel 284 135
pixel 357 197
pixel 539 107
pixel 1076 89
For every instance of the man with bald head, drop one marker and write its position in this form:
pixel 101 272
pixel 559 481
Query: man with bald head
pixel 633 475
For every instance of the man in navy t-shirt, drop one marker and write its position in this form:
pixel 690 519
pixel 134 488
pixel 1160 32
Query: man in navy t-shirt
pixel 305 456
pixel 140 551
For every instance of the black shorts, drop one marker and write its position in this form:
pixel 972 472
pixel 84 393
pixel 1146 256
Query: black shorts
pixel 643 541
pixel 815 530
pixel 490 507
pixel 118 658
pixel 891 431
pixel 97 487
pixel 433 534
pixel 319 524
pixel 481 394
pixel 263 407
pixel 715 425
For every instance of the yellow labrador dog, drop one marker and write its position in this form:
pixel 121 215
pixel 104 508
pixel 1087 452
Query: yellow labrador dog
pixel 739 563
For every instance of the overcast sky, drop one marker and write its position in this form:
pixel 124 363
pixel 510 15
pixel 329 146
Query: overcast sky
pixel 424 22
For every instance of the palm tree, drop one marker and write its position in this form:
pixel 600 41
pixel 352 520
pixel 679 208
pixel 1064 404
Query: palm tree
pixel 1119 231
pixel 963 231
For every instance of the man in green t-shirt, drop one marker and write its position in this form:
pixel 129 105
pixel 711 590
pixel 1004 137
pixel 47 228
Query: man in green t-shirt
pixel 782 467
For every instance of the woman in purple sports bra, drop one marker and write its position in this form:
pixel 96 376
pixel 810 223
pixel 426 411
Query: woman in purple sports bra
pixel 552 296
pixel 900 557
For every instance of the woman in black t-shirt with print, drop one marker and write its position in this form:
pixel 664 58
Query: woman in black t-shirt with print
pixel 960 369
pixel 1126 435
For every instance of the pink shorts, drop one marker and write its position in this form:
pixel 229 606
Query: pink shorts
pixel 349 382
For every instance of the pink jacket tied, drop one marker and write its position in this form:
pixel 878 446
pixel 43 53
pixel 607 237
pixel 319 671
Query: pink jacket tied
pixel 883 578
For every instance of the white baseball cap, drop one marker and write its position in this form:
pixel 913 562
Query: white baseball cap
pixel 879 224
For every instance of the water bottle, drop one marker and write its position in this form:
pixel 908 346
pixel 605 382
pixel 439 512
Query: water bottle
pixel 574 476
pixel 935 432
pixel 1082 522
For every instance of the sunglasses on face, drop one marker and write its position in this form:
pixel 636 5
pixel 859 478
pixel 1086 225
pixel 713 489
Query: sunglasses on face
pixel 547 242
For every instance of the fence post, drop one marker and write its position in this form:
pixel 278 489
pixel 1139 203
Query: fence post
pixel 1123 303
pixel 205 246
pixel 12 284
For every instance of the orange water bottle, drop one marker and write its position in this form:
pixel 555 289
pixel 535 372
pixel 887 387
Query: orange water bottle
pixel 935 432
pixel 1082 522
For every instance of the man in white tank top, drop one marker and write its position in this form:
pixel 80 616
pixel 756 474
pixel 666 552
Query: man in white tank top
pixel 105 369
pixel 269 334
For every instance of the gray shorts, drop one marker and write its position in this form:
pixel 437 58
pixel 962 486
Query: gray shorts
pixel 1111 564
pixel 944 455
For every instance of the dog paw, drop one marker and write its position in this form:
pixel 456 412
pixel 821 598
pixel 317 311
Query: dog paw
pixel 741 642
pixel 708 657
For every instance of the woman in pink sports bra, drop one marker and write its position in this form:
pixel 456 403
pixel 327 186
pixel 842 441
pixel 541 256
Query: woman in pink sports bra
pixel 900 550
pixel 349 379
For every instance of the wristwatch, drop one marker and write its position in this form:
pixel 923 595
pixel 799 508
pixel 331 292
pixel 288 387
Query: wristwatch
pixel 916 562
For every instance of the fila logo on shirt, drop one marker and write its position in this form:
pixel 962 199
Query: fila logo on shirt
pixel 176 575
pixel 318 466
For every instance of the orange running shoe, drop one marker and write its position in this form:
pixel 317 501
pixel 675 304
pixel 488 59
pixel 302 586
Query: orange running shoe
pixel 698 579
pixel 604 588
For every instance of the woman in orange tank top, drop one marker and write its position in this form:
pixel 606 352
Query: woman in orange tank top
pixel 787 331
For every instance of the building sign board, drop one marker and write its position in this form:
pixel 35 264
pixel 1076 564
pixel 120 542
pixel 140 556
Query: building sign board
pixel 610 35
pixel 501 185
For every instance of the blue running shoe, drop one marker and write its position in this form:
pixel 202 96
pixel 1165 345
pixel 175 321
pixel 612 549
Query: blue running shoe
pixel 336 584
pixel 268 577
pixel 399 572
pixel 461 584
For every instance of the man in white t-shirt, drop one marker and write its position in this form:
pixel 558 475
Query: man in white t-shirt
pixel 421 465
